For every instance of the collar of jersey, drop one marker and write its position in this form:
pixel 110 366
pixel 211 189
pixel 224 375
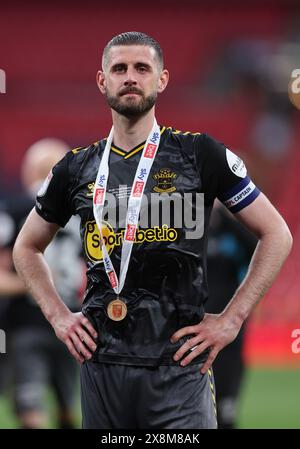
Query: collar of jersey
pixel 128 154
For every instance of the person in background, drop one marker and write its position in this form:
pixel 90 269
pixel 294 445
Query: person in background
pixel 37 358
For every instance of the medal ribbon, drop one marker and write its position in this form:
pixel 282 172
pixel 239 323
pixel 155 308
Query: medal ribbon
pixel 134 203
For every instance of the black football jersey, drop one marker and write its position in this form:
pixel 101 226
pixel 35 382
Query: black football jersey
pixel 166 285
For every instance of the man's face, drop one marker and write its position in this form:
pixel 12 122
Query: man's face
pixel 131 79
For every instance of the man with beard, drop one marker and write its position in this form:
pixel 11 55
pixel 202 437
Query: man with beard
pixel 145 344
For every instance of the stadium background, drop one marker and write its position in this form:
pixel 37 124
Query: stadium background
pixel 230 68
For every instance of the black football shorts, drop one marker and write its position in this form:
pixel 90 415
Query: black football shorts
pixel 134 397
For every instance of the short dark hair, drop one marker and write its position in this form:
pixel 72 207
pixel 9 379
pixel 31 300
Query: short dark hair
pixel 134 38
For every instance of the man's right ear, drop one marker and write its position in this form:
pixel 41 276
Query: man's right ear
pixel 101 83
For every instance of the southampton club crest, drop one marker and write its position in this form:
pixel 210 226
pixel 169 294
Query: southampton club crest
pixel 164 178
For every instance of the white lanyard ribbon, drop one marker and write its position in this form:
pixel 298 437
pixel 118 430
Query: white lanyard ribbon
pixel 134 203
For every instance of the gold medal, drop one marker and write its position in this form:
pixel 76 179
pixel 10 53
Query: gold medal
pixel 117 310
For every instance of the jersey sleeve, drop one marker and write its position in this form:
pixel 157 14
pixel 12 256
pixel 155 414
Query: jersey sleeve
pixel 224 175
pixel 53 199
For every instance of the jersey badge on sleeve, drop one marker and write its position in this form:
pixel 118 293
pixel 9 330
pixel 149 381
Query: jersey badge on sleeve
pixel 236 164
pixel 45 185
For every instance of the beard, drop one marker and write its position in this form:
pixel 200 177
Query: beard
pixel 131 107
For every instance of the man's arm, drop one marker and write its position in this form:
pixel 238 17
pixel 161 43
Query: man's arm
pixel 72 328
pixel 275 242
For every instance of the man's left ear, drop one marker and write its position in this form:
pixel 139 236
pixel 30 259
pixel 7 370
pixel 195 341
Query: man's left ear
pixel 163 81
pixel 100 78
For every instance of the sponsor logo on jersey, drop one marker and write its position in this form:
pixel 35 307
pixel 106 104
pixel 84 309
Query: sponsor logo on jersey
pixel 236 164
pixel 45 184
pixel 165 179
pixel 150 150
pixel 92 240
pixel 99 196
pixel 115 239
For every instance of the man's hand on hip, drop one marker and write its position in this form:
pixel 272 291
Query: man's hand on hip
pixel 214 332
pixel 75 330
